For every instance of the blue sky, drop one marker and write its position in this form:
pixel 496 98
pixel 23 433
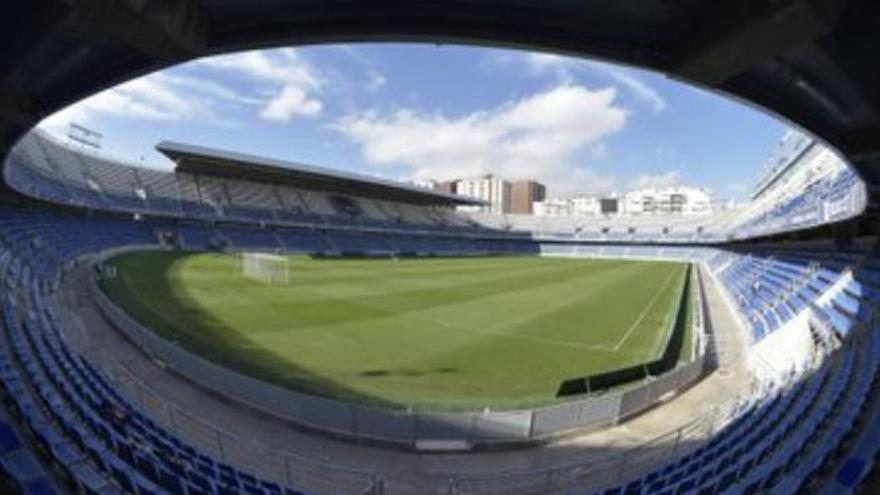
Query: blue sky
pixel 420 111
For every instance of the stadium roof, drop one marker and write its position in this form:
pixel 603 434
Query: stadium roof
pixel 813 62
pixel 201 160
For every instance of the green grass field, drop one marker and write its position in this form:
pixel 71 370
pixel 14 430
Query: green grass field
pixel 444 333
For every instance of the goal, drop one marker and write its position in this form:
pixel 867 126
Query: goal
pixel 267 268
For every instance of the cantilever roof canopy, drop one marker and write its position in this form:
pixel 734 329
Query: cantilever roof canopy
pixel 811 61
pixel 201 160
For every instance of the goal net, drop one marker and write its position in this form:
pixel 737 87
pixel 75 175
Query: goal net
pixel 266 268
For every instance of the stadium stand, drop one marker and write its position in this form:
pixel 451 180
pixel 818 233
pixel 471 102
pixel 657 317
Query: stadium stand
pixel 98 437
pixel 812 429
pixel 41 166
pixel 73 414
pixel 813 187
pixel 779 438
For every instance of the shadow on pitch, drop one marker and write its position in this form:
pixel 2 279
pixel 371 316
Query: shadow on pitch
pixel 407 372
pixel 222 345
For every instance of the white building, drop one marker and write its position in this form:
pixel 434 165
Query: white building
pixel 492 189
pixel 576 206
pixel 678 200
pixel 552 208
pixel 586 205
pixel 651 201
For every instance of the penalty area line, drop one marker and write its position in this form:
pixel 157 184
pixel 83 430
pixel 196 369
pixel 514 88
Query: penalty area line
pixel 644 313
pixel 509 335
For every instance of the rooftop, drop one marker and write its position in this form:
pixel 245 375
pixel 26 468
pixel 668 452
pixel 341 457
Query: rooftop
pixel 201 160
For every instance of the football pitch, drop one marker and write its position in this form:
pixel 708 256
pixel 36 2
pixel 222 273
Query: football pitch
pixel 442 333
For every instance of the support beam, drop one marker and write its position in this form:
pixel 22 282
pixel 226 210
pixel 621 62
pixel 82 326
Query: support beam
pixel 18 109
pixel 862 145
pixel 161 30
pixel 735 36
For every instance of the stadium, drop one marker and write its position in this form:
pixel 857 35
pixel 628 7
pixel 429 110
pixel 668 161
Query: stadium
pixel 243 324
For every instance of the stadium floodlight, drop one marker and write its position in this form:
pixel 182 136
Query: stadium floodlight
pixel 79 134
pixel 267 268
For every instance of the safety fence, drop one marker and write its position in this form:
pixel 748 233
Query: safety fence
pixel 676 320
pixel 290 469
pixel 412 428
pixel 608 465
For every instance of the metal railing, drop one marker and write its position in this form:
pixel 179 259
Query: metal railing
pixel 284 467
pixel 406 427
pixel 603 410
pixel 698 336
pixel 604 469
pixel 607 467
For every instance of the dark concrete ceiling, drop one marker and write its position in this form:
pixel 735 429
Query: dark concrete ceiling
pixel 812 62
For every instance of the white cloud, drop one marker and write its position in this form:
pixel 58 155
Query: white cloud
pixel 540 63
pixel 582 181
pixel 534 137
pixel 535 63
pixel 376 80
pixel 289 102
pixel 156 97
pixel 565 69
pixel 292 83
pixel 284 66
pixel 638 87
pixel 207 88
pixel 666 179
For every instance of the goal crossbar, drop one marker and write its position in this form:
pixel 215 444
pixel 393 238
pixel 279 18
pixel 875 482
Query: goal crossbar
pixel 264 267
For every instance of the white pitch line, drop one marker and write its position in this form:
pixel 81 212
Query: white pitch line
pixel 515 336
pixel 529 338
pixel 643 313
pixel 497 333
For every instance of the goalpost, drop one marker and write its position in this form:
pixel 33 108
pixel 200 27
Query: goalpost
pixel 267 268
